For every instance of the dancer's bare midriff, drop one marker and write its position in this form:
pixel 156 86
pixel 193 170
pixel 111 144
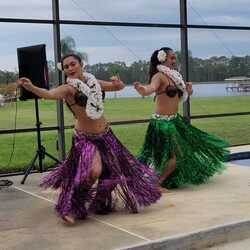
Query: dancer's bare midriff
pixel 165 105
pixel 85 124
pixel 88 126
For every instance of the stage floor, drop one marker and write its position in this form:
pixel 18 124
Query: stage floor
pixel 28 220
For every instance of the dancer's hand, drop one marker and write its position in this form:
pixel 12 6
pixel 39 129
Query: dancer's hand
pixel 117 82
pixel 139 88
pixel 189 88
pixel 25 83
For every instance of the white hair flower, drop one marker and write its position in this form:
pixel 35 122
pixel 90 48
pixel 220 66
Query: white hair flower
pixel 162 56
pixel 59 66
pixel 83 65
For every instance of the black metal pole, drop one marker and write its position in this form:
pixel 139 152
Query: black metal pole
pixel 58 78
pixel 184 54
pixel 39 153
pixel 39 142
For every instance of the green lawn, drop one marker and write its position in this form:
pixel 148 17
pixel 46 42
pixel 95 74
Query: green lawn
pixel 235 129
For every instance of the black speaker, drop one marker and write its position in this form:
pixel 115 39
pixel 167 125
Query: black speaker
pixel 32 64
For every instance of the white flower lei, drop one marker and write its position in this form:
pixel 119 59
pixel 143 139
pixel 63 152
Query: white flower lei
pixel 92 89
pixel 176 77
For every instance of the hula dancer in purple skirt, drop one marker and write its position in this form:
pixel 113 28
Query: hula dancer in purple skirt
pixel 97 163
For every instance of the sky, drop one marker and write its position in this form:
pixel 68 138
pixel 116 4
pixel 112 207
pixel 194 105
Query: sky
pixel 109 44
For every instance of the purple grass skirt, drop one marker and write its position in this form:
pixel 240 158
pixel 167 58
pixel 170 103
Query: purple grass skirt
pixel 135 183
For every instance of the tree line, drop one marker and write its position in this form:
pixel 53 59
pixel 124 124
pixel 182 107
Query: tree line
pixel 200 70
pixel 215 68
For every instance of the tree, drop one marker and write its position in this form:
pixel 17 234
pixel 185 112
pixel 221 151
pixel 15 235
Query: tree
pixel 68 46
pixel 8 76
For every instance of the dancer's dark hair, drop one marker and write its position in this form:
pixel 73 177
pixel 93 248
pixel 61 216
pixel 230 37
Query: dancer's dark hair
pixel 154 61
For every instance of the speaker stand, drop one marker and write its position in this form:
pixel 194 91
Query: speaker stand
pixel 41 151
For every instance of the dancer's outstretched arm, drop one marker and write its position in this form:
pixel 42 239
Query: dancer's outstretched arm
pixel 150 88
pixel 115 84
pixel 57 93
pixel 189 88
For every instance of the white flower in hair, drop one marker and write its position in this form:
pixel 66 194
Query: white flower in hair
pixel 176 77
pixel 92 89
pixel 162 56
pixel 59 66
pixel 83 65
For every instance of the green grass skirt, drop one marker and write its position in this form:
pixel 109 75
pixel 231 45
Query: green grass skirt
pixel 199 155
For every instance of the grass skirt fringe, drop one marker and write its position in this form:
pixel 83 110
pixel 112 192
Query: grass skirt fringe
pixel 121 171
pixel 199 155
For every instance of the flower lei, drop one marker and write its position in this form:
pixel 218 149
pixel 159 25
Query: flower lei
pixel 176 77
pixel 92 89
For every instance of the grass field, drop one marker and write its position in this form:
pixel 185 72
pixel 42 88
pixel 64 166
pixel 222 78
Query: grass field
pixel 235 129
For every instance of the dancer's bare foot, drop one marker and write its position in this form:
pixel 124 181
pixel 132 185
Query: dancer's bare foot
pixel 164 190
pixel 69 219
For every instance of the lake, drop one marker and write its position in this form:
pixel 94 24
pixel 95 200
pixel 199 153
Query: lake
pixel 200 90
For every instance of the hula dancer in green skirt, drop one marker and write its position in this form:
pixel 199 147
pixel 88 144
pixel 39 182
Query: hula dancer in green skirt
pixel 180 152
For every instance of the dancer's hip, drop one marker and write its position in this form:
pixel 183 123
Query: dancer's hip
pixel 163 117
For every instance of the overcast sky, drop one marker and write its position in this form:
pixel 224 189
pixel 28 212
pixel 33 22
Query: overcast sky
pixel 101 45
